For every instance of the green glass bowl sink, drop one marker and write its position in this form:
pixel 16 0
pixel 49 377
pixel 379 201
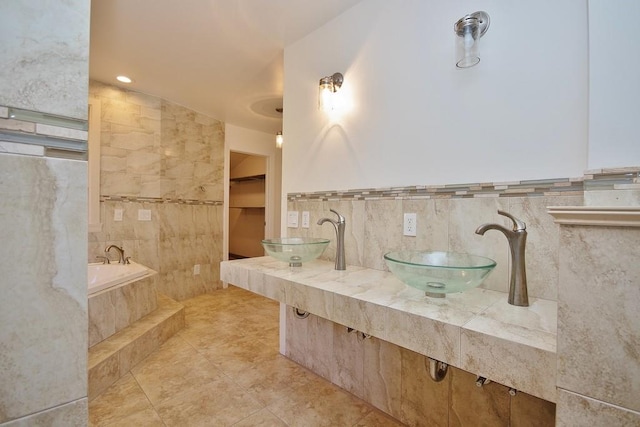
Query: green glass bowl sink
pixel 295 250
pixel 439 273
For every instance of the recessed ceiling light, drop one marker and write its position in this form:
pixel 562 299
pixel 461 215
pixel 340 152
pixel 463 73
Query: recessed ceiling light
pixel 124 79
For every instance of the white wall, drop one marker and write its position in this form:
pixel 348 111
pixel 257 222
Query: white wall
pixel 254 142
pixel 416 119
pixel 614 84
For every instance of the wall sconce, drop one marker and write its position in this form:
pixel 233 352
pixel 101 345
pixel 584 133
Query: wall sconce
pixel 470 28
pixel 279 139
pixel 328 87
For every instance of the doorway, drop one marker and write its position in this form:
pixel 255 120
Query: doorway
pixel 247 202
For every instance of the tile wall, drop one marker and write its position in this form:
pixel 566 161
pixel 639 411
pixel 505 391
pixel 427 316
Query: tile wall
pixel 167 159
pixel 43 210
pixel 396 380
pixel 599 326
pixel 115 309
pixel 447 217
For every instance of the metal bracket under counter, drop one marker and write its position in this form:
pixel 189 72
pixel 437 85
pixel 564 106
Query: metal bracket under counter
pixel 477 331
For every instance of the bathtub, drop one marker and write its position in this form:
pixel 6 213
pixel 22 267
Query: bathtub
pixel 106 276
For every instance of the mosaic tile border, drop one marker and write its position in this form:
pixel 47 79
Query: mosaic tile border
pixel 135 199
pixel 601 179
pixel 40 134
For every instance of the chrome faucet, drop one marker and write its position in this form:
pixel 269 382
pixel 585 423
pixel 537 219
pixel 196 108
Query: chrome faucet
pixel 517 238
pixel 339 227
pixel 121 257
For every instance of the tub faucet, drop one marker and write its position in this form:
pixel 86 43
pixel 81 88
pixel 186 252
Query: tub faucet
pixel 121 257
pixel 339 227
pixel 517 238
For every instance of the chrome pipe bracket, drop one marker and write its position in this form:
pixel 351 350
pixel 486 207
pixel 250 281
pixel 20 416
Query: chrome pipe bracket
pixel 480 381
pixel 300 314
pixel 437 370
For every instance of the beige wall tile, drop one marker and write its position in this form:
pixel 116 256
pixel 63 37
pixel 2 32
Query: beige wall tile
pixel 423 401
pixel 44 302
pixel 70 414
pixel 598 316
pixel 465 216
pixel 347 369
pixel 530 411
pixel 102 317
pixel 543 239
pixel 577 410
pixel 477 406
pixel 382 376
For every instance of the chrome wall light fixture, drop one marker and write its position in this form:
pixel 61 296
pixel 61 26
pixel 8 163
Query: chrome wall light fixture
pixel 470 28
pixel 279 139
pixel 326 91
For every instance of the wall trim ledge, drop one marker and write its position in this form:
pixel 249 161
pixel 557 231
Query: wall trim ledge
pixel 601 216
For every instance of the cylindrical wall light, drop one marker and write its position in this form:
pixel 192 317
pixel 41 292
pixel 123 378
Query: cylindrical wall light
pixel 326 89
pixel 279 139
pixel 470 28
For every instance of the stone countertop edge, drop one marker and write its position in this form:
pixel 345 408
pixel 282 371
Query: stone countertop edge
pixel 476 330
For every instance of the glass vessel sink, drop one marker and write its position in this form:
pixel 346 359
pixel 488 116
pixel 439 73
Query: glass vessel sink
pixel 439 273
pixel 295 250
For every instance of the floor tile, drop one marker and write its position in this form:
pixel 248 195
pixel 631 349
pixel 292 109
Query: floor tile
pixel 224 369
pixel 122 400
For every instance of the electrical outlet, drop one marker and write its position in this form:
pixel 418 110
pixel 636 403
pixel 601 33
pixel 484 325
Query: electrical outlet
pixel 305 219
pixel 144 214
pixel 292 219
pixel 196 269
pixel 117 214
pixel 410 224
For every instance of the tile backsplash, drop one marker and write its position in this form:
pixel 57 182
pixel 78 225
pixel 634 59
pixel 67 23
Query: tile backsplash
pixel 447 217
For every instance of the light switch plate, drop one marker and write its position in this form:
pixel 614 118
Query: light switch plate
pixel 196 269
pixel 305 219
pixel 144 215
pixel 292 219
pixel 117 214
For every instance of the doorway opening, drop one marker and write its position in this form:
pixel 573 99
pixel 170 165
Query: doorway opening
pixel 247 203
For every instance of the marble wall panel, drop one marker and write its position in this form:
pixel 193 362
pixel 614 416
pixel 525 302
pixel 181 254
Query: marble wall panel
pixel 347 369
pixel 465 216
pixel 630 197
pixel 354 236
pixel 320 344
pixel 44 303
pixel 537 326
pixel 383 230
pixel 382 376
pixel 102 317
pixel 153 148
pixel 423 401
pixel 71 414
pixel 130 142
pixel 530 411
pixel 134 301
pixel 543 240
pixel 598 316
pixel 396 380
pixel 577 410
pixel 44 69
pixel 477 406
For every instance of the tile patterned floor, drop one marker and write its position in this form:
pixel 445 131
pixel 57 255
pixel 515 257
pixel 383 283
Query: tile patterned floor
pixel 224 369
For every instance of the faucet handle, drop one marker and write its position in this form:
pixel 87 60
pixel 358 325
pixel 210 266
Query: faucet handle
pixel 341 219
pixel 518 224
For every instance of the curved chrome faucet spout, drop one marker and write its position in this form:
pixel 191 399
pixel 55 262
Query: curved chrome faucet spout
pixel 517 238
pixel 338 226
pixel 121 258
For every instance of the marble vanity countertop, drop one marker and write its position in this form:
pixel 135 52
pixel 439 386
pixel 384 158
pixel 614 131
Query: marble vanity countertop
pixel 476 330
